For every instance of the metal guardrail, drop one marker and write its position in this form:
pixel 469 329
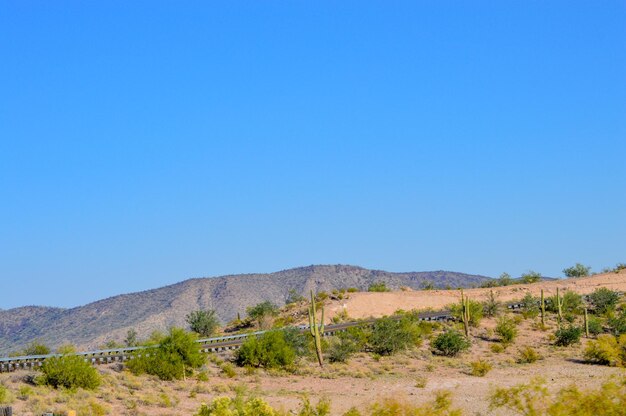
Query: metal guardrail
pixel 213 344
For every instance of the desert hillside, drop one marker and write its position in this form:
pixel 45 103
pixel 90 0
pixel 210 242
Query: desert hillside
pixel 368 304
pixel 92 325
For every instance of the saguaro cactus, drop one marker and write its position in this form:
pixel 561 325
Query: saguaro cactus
pixel 559 305
pixel 465 313
pixel 543 310
pixel 317 330
pixel 586 324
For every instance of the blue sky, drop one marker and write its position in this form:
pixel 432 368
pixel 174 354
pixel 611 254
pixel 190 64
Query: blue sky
pixel 143 143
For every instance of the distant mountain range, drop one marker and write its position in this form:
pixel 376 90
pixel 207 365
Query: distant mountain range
pixel 94 324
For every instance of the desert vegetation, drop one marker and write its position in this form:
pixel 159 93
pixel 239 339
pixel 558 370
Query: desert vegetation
pixel 486 341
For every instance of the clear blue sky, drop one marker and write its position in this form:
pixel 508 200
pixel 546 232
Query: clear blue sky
pixel 143 143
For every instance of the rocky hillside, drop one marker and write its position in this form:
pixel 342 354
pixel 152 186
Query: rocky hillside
pixel 91 325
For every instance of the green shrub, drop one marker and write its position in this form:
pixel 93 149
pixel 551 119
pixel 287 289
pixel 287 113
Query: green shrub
pixel 224 406
pixel 203 323
pixel 480 368
pixel 506 330
pixel 491 305
pixel 572 303
pixel 530 306
pixel 496 348
pixel 505 279
pixel 177 354
pixel 476 312
pixel 607 350
pixel 297 340
pixel 270 350
pixel 352 290
pixel 340 349
pixel 528 355
pixel 70 372
pixel 566 336
pixel 450 343
pixel 4 394
pixel 603 299
pixel 530 277
pixel 617 323
pixel 534 399
pixel 440 406
pixel 322 408
pixel 36 348
pixel 595 325
pixel 378 287
pixel 228 370
pixel 391 335
pixel 579 270
pixel 294 297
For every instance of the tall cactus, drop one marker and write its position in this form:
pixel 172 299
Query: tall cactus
pixel 543 310
pixel 465 313
pixel 586 324
pixel 559 304
pixel 317 330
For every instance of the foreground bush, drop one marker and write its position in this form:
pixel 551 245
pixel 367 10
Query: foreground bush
pixel 203 322
pixel 176 356
pixel 389 336
pixel 595 325
pixel 224 406
pixel 70 372
pixel 572 303
pixel 603 299
pixel 567 336
pixel 617 323
pixel 528 355
pixel 480 368
pixel 270 350
pixel 340 349
pixel 506 330
pixel 238 406
pixel 533 399
pixel 440 406
pixel 607 350
pixel 450 343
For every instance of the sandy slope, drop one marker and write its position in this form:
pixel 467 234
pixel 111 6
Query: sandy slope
pixel 363 305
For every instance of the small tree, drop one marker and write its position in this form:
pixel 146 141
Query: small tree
pixel 36 348
pixel 491 305
pixel 390 336
pixel 261 312
pixel 70 372
pixel 131 338
pixel 203 323
pixel 506 329
pixel 603 299
pixel 530 277
pixel 378 287
pixel 566 336
pixel 505 279
pixel 530 307
pixel 270 350
pixel 293 297
pixel 177 353
pixel 578 270
pixel 450 343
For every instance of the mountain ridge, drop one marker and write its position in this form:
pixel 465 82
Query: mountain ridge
pixel 92 324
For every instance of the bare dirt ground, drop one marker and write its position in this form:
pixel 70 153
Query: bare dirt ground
pixel 364 305
pixel 414 376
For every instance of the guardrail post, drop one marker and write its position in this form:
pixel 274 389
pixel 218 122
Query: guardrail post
pixel 6 411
